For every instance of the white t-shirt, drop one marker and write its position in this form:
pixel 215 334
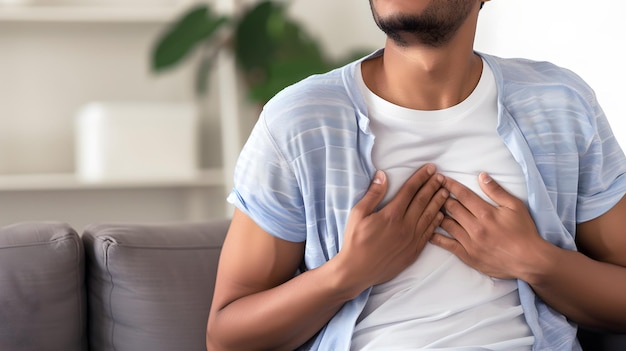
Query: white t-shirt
pixel 439 302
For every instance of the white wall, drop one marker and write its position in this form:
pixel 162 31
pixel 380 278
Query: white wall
pixel 584 36
pixel 49 70
pixel 342 26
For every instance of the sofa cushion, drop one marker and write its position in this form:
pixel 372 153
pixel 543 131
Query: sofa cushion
pixel 150 286
pixel 42 291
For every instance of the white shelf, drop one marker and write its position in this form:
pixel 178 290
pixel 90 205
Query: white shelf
pixel 92 13
pixel 54 182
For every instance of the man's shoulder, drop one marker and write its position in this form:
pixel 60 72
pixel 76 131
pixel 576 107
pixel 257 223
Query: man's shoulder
pixel 320 89
pixel 547 101
pixel 527 72
pixel 317 101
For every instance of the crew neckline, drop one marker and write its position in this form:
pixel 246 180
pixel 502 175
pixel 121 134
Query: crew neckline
pixel 381 107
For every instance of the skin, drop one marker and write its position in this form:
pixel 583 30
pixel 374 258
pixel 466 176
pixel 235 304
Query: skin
pixel 259 304
pixel 421 76
pixel 502 241
pixel 435 24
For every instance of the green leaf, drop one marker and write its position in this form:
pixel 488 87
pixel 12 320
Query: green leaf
pixel 296 43
pixel 254 45
pixel 271 49
pixel 194 27
pixel 284 73
pixel 274 51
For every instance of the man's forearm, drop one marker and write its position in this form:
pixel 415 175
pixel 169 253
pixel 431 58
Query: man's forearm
pixel 588 292
pixel 281 318
pixel 259 305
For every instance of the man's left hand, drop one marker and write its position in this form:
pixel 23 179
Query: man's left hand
pixel 500 240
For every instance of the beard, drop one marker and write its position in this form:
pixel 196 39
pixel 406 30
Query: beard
pixel 435 26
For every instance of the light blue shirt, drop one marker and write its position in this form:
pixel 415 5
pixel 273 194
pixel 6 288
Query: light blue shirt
pixel 308 162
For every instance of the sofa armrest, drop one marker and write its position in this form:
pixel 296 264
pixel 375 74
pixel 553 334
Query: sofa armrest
pixel 150 286
pixel 42 291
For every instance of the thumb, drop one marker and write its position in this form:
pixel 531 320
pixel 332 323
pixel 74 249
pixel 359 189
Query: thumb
pixel 495 192
pixel 374 195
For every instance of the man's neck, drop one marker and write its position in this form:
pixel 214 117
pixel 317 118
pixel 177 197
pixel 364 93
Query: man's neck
pixel 423 77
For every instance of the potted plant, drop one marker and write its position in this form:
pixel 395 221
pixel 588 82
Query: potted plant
pixel 271 49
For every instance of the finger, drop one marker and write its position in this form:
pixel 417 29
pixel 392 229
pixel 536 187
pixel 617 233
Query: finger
pixel 451 245
pixel 427 203
pixel 469 199
pixel 374 195
pixel 426 235
pixel 404 197
pixel 497 193
pixel 453 228
pixel 455 209
pixel 431 215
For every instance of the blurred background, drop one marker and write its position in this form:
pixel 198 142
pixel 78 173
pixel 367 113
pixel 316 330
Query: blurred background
pixel 89 132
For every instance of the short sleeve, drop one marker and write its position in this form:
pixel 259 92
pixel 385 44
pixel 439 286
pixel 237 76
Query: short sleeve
pixel 602 181
pixel 266 189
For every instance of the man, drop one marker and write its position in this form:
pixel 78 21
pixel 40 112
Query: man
pixel 387 177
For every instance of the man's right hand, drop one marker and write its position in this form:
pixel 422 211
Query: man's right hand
pixel 257 299
pixel 378 245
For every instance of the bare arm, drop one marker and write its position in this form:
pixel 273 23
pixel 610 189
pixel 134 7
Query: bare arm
pixel 256 301
pixel 598 277
pixel 258 304
pixel 502 241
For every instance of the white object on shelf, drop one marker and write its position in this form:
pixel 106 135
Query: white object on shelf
pixel 124 141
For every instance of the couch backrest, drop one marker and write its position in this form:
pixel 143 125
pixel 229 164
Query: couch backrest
pixel 42 294
pixel 119 287
pixel 150 286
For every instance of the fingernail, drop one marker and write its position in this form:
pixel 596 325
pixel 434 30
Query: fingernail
pixel 430 169
pixel 379 177
pixel 486 178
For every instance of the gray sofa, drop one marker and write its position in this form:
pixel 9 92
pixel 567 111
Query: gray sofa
pixel 121 287
pixel 114 287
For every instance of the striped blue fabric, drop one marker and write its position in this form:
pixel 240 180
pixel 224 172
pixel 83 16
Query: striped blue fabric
pixel 308 161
